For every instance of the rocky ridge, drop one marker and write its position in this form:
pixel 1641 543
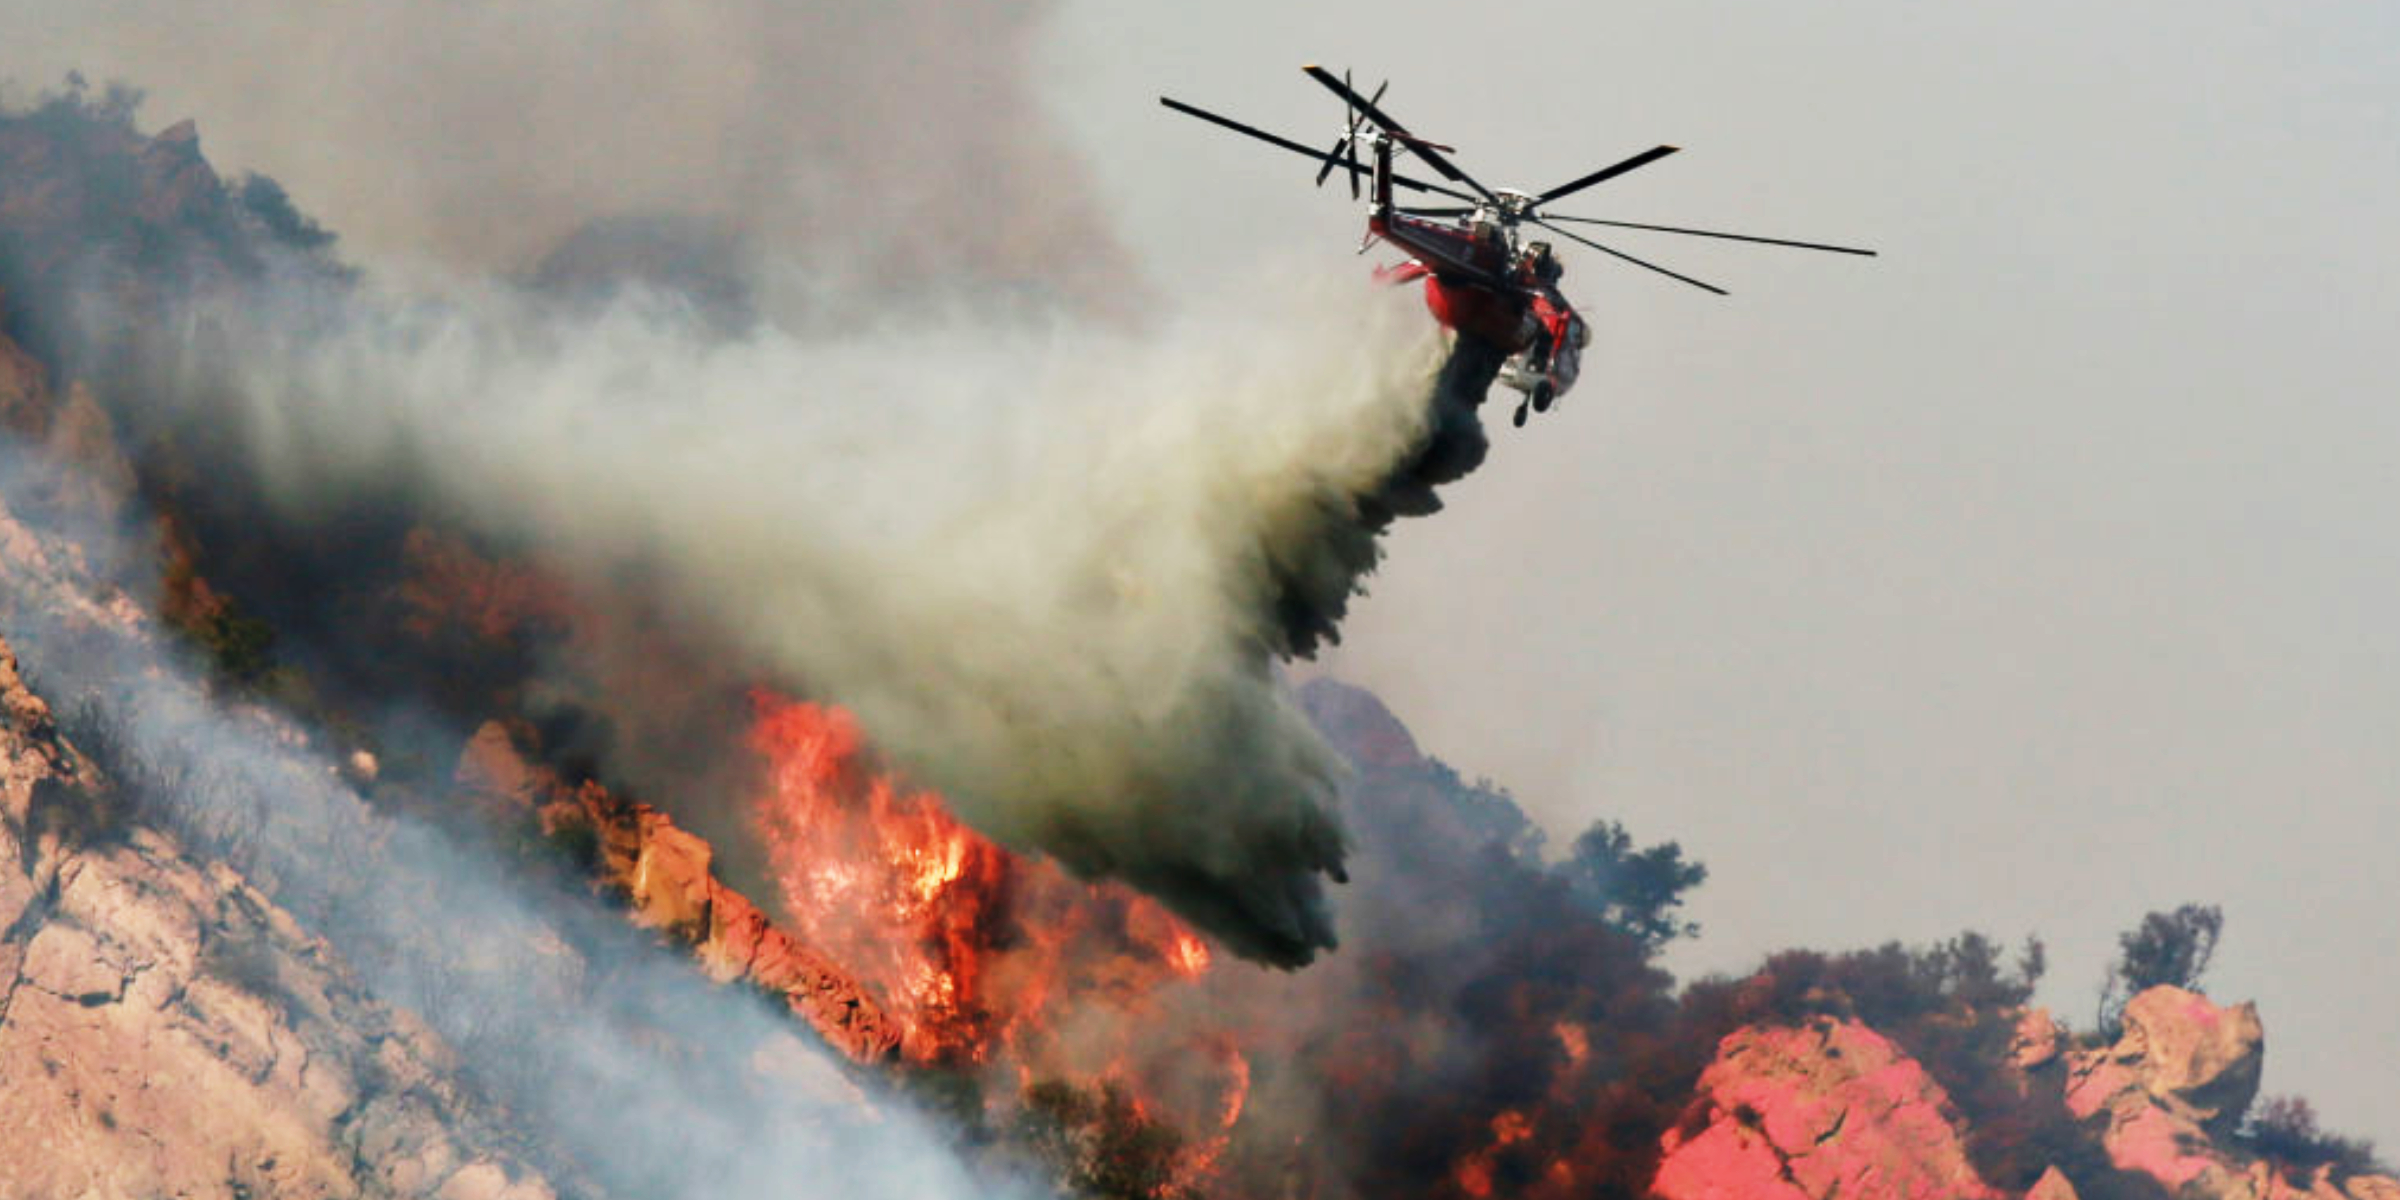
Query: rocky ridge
pixel 663 875
pixel 1826 1106
pixel 1833 1109
pixel 167 1029
pixel 1829 1108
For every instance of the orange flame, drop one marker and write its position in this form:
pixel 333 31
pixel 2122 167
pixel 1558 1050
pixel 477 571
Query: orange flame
pixel 972 947
pixel 886 881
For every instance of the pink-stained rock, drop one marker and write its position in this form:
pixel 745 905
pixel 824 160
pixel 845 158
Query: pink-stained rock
pixel 1726 1161
pixel 1828 1108
pixel 2052 1186
pixel 2148 1139
pixel 2371 1187
pixel 2199 1060
pixel 2038 1041
pixel 2169 1093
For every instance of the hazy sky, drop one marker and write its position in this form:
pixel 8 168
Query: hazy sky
pixel 2034 575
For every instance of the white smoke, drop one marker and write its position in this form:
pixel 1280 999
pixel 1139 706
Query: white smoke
pixel 556 1008
pixel 1041 564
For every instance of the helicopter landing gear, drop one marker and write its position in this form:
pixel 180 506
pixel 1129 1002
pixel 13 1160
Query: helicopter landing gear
pixel 1538 400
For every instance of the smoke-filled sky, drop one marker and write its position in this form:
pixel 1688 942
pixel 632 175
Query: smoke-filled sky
pixel 2034 575
pixel 2029 577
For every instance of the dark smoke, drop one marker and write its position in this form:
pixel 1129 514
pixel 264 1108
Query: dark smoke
pixel 1313 592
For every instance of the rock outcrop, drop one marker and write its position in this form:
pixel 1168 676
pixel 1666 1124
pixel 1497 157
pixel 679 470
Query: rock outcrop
pixel 165 1029
pixel 663 873
pixel 1829 1108
pixel 2168 1096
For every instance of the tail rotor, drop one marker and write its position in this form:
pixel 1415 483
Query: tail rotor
pixel 1345 151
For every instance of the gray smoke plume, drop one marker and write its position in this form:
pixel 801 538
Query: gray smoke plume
pixel 1049 571
pixel 1048 559
pixel 890 143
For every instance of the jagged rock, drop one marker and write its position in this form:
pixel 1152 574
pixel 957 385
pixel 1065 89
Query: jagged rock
pixel 2199 1060
pixel 2180 1067
pixel 177 183
pixel 2052 1185
pixel 665 875
pixel 2168 1095
pixel 671 884
pixel 1829 1108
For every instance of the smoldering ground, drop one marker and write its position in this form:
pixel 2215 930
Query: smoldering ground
pixel 895 142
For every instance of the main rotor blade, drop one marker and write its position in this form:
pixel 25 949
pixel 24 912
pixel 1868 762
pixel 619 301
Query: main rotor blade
pixel 1645 158
pixel 1710 233
pixel 1304 151
pixel 1436 212
pixel 1424 150
pixel 1349 118
pixel 1572 235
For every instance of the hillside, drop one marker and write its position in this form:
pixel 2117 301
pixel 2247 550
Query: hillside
pixel 350 850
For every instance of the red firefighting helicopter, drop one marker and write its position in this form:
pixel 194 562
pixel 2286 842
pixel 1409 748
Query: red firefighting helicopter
pixel 1499 296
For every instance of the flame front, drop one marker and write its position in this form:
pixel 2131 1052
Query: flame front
pixel 1091 1008
pixel 978 952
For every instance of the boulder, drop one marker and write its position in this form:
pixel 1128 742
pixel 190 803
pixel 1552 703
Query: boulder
pixel 2052 1186
pixel 2169 1095
pixel 2201 1061
pixel 1828 1108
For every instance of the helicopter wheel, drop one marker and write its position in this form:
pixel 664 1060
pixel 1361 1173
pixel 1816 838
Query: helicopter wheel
pixel 1542 394
pixel 1520 417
